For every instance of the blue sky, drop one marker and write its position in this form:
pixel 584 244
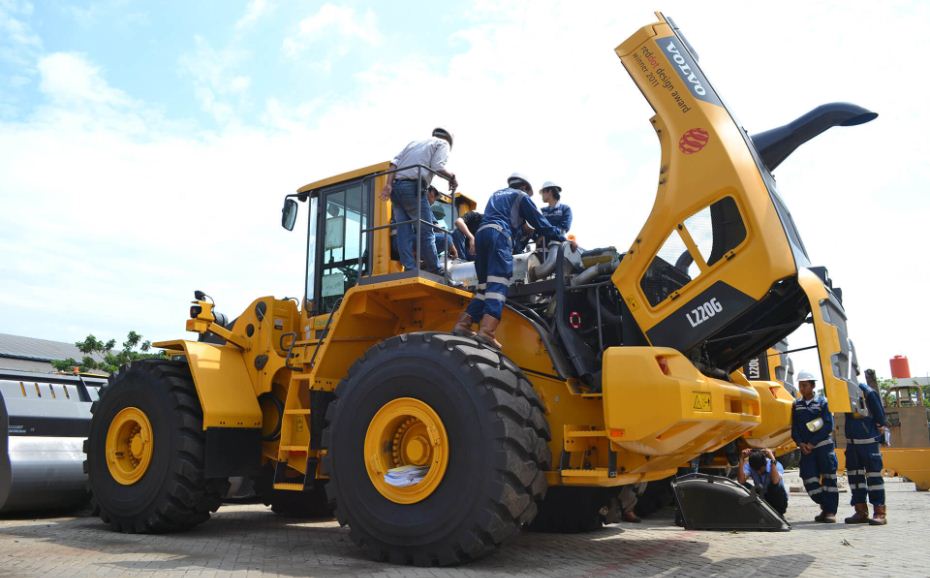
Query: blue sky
pixel 145 147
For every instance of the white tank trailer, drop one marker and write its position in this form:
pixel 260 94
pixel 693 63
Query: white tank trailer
pixel 44 419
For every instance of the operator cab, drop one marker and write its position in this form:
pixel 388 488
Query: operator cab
pixel 350 231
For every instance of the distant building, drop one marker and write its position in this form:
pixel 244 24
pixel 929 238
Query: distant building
pixel 31 354
pixel 924 381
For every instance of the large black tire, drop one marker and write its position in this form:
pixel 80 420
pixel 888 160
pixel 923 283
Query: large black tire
pixel 569 510
pixel 498 452
pixel 173 494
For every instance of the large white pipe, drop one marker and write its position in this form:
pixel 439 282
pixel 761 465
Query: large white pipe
pixel 44 419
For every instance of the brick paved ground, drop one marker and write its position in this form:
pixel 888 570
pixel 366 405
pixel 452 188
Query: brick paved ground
pixel 251 541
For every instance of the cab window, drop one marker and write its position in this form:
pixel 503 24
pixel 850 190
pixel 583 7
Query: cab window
pixel 692 248
pixel 342 249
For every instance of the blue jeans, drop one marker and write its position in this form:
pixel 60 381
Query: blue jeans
pixel 443 242
pixel 404 199
pixel 461 245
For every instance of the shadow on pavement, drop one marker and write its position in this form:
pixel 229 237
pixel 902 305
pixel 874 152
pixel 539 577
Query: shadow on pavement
pixel 239 539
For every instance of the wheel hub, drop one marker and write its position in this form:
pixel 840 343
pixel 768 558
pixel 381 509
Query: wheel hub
pixel 406 450
pixel 129 446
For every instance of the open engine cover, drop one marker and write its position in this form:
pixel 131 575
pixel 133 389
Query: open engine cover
pixel 717 503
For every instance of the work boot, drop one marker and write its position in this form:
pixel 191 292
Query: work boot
pixel 486 330
pixel 825 518
pixel 879 518
pixel 463 326
pixel 861 516
pixel 630 516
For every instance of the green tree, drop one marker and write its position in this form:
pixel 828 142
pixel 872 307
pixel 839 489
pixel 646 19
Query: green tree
pixel 101 355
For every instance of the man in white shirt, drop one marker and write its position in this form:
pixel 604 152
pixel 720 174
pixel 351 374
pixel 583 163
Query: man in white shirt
pixel 405 185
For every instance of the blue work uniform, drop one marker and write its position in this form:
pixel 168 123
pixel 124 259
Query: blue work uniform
pixel 506 212
pixel 559 216
pixel 863 454
pixel 775 494
pixel 812 423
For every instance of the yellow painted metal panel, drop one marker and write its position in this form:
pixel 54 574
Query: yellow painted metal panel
pixel 347 176
pixel 681 413
pixel 223 385
pixel 775 429
pixel 840 385
pixel 912 463
pixel 690 180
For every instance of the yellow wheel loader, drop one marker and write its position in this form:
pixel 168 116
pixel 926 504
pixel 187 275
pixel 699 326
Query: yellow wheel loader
pixel 434 449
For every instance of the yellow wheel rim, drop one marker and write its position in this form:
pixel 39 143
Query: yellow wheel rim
pixel 129 446
pixel 406 437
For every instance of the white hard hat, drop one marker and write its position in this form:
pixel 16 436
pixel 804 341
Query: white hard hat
pixel 442 133
pixel 806 376
pixel 519 178
pixel 551 185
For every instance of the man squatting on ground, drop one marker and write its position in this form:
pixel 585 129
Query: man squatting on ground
pixel 864 460
pixel 402 187
pixel 766 474
pixel 506 213
pixel 811 424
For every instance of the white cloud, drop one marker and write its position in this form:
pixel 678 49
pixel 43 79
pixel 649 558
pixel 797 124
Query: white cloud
pixel 253 12
pixel 219 89
pixel 338 27
pixel 19 44
pixel 69 77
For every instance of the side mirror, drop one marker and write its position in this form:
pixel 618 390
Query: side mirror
pixel 289 214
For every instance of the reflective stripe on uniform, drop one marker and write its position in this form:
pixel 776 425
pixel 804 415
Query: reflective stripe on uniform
pixel 863 442
pixel 873 474
pixel 811 480
pixel 496 279
pixel 496 296
pixel 814 492
pixel 856 472
pixel 829 476
pixel 479 296
pixel 875 487
pixel 494 226
pixel 825 442
pixel 482 286
pixel 832 489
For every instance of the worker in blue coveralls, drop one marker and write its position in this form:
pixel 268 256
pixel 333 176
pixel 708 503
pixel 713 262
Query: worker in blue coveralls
pixel 557 213
pixel 811 425
pixel 864 460
pixel 506 213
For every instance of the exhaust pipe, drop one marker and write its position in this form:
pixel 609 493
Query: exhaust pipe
pixel 775 145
